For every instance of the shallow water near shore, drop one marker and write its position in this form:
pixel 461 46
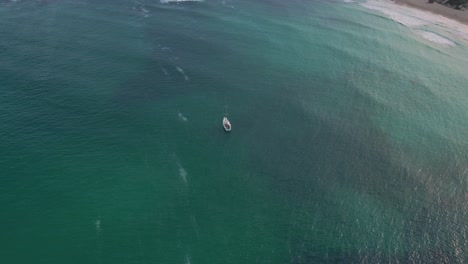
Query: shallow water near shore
pixel 348 143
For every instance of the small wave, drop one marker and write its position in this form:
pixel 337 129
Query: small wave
pixel 97 223
pixel 187 259
pixel 227 5
pixel 164 71
pixel 394 12
pixel 182 117
pixel 436 38
pixel 182 172
pixel 178 1
pixel 144 11
pixel 182 72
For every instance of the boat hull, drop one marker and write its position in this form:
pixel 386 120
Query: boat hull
pixel 226 125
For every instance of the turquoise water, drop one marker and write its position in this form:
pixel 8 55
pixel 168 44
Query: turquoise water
pixel 349 140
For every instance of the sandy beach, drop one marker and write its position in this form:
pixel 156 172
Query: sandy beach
pixel 461 16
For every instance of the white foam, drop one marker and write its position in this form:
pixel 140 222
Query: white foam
pixel 97 223
pixel 182 72
pixel 144 11
pixel 408 17
pixel 187 259
pixel 436 38
pixel 182 117
pixel 178 1
pixel 182 173
pixel 446 29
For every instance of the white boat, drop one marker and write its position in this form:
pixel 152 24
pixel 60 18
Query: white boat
pixel 226 124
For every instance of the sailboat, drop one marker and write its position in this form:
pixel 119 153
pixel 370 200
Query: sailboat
pixel 226 124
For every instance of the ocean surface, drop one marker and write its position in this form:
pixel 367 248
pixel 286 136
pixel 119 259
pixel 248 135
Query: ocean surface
pixel 349 140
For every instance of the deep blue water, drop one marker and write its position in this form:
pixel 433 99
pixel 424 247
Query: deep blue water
pixel 349 140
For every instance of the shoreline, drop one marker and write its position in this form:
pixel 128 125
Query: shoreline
pixel 438 9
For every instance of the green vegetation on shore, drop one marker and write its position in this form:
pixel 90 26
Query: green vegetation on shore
pixel 455 4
